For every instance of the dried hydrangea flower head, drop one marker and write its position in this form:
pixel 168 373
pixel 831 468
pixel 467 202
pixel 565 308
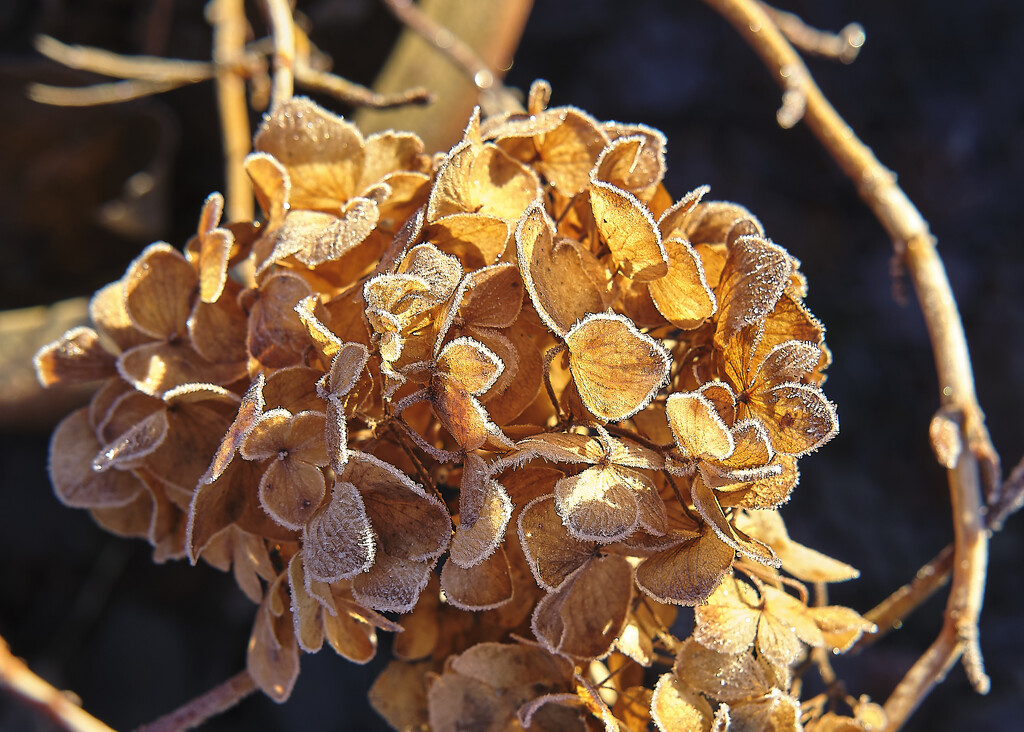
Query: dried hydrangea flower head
pixel 528 332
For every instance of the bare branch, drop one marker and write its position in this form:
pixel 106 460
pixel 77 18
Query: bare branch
pixel 113 92
pixel 229 29
pixel 279 16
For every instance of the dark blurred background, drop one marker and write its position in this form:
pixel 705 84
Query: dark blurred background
pixel 937 93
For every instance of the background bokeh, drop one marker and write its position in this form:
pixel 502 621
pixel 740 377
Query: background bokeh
pixel 937 93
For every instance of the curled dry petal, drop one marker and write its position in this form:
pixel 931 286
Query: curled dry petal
pixel 485 509
pixel 249 412
pixel 74 358
pixel 707 505
pixel 617 369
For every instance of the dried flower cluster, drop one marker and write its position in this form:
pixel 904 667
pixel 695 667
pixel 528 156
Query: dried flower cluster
pixel 512 403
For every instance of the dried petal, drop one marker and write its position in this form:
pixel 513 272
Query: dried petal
pixel 484 586
pixel 553 273
pixel 159 288
pixel 630 231
pixel 551 552
pixel 72 449
pixel 616 368
pixel 677 706
pixel 391 584
pixel 583 617
pixel 697 427
pixel 74 358
pixel 337 541
pixel 688 572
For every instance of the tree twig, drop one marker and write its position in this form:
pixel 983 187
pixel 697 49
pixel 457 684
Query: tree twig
pixel 23 684
pixel 843 46
pixel 229 29
pixel 217 700
pixel 915 243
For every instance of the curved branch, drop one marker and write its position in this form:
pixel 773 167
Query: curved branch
pixel 914 242
pixel 18 679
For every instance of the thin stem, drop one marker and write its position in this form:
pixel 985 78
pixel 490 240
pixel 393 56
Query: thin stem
pixel 354 94
pixel 217 700
pixel 97 94
pixel 914 241
pixel 889 614
pixel 55 705
pixel 229 29
pixel 279 16
pixel 141 68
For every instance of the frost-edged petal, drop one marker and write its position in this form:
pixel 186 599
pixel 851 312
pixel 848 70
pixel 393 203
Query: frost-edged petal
pixel 72 449
pixel 629 229
pixel 337 541
pixel 74 358
pixel 617 369
pixel 688 572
